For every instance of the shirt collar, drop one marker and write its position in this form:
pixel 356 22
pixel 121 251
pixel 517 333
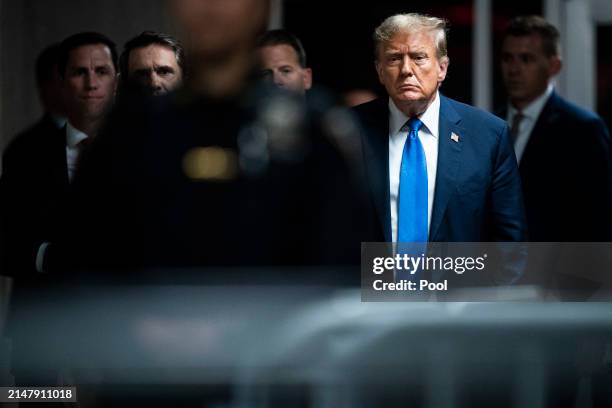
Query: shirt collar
pixel 73 135
pixel 430 117
pixel 534 109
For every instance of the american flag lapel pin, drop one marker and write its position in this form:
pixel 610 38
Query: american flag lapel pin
pixel 455 137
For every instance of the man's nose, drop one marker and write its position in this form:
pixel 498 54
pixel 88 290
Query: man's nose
pixel 155 82
pixel 513 67
pixel 91 81
pixel 406 66
pixel 278 79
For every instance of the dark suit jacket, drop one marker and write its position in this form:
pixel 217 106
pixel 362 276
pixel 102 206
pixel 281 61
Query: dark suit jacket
pixel 566 174
pixel 33 190
pixel 478 192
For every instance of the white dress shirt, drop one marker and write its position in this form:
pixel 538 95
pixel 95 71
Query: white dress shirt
pixel 73 137
pixel 428 135
pixel 530 113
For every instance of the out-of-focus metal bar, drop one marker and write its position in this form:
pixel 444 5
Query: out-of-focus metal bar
pixel 482 63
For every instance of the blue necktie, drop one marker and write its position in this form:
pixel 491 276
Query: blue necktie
pixel 412 204
pixel 412 197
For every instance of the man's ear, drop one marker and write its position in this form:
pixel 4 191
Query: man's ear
pixel 378 68
pixel 555 65
pixel 307 78
pixel 443 63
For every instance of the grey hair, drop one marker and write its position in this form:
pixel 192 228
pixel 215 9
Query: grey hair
pixel 412 23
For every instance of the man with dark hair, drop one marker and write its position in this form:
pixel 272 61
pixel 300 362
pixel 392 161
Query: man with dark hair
pixel 88 65
pixel 563 150
pixel 37 169
pixel 49 86
pixel 564 160
pixel 36 182
pixel 282 60
pixel 153 61
pixel 73 42
pixel 50 94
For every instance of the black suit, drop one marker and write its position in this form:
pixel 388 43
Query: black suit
pixel 33 189
pixel 567 184
pixel 567 176
pixel 33 194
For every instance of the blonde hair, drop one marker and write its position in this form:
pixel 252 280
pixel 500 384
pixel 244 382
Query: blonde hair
pixel 412 23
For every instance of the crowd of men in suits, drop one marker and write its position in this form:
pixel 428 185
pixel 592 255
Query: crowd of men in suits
pixel 209 166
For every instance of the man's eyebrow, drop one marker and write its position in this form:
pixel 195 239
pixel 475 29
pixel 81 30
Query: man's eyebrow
pixel 165 67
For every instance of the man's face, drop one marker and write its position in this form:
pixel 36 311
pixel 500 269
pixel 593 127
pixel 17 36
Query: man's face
pixel 526 69
pixel 280 65
pixel 90 81
pixel 155 68
pixel 409 69
pixel 216 28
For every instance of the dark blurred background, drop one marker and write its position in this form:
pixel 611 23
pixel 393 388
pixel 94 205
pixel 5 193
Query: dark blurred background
pixel 337 38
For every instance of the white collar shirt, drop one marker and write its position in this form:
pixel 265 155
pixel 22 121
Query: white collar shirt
pixel 73 138
pixel 428 136
pixel 530 116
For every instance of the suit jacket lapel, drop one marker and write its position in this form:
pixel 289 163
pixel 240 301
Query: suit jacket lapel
pixel 376 152
pixel 549 114
pixel 59 164
pixel 449 154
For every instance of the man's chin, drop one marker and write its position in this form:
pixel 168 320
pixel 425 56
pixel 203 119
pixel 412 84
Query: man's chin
pixel 94 114
pixel 410 99
pixel 411 96
pixel 515 93
pixel 94 106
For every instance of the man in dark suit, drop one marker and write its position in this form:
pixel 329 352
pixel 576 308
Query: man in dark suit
pixel 36 177
pixel 50 94
pixel 564 162
pixel 35 184
pixel 38 166
pixel 438 170
pixel 563 150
